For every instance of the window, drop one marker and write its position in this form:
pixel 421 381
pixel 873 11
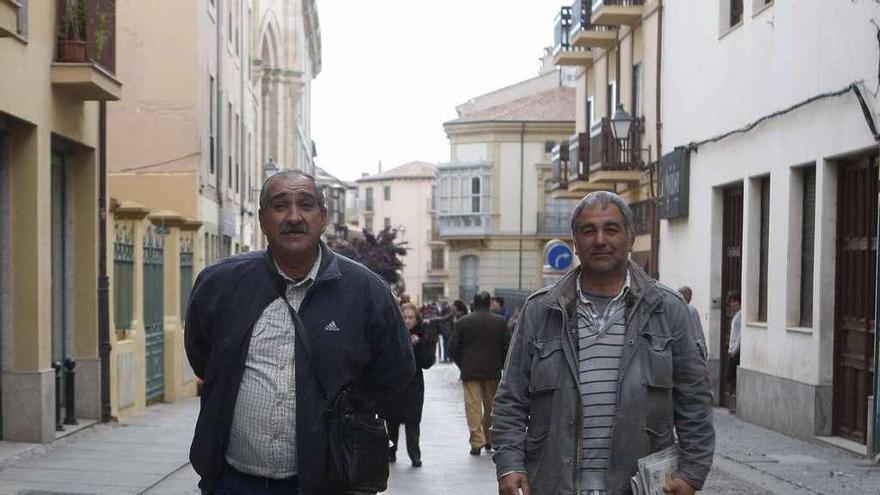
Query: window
pixel 229 147
pixel 808 240
pixel 735 12
pixel 591 111
pixel 637 102
pixel 611 99
pixel 368 224
pixel 387 223
pixel 764 247
pixel 475 195
pixel 212 89
pixel 468 275
pixel 437 259
pixel 369 202
pixel 386 193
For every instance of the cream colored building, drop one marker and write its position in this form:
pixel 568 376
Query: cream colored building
pixel 612 49
pixel 784 211
pixel 220 95
pixel 54 75
pixel 493 208
pixel 402 198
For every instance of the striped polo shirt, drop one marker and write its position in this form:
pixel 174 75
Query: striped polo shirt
pixel 601 328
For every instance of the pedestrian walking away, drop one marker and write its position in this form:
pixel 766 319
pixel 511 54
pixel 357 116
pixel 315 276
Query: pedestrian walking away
pixel 478 347
pixel 602 366
pixel 261 428
pixel 407 409
pixel 687 294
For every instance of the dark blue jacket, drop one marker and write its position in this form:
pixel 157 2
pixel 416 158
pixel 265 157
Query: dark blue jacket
pixel 370 348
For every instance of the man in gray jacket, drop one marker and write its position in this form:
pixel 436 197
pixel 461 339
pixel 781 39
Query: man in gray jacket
pixel 603 370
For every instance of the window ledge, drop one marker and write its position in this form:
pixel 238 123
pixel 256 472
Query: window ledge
pixel 729 30
pixel 757 324
pixel 804 330
pixel 761 9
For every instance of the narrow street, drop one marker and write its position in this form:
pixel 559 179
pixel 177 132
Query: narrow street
pixel 148 455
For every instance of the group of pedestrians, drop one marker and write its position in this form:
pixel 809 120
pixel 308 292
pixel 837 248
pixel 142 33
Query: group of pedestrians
pixel 604 367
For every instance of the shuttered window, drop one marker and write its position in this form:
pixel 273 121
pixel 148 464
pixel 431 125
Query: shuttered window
pixel 765 241
pixel 808 236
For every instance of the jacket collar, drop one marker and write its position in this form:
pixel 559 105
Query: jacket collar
pixel 327 271
pixel 642 289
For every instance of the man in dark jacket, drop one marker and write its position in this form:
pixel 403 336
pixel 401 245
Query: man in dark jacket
pixel 478 347
pixel 261 427
pixel 604 369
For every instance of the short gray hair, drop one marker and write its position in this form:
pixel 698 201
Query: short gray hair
pixel 602 199
pixel 291 174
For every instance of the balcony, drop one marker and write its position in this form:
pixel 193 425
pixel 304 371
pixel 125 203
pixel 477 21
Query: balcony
pixel 643 216
pixel 570 172
pixel 464 225
pixel 614 161
pixel 553 224
pixel 564 54
pixel 13 17
pixel 618 12
pixel 586 34
pixel 85 60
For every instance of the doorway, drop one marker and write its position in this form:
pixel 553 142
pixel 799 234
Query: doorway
pixel 855 288
pixel 61 253
pixel 731 275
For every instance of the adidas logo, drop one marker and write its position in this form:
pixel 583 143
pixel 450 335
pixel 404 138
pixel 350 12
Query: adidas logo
pixel 331 327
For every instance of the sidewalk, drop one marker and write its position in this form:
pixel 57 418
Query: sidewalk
pixel 113 458
pixel 148 455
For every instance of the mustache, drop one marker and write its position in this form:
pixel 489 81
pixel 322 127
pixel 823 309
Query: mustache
pixel 293 228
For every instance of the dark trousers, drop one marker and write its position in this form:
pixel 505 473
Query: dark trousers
pixel 412 439
pixel 732 366
pixel 234 482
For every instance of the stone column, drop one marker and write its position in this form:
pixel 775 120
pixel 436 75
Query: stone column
pixel 28 380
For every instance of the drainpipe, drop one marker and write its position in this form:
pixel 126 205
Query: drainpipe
pixel 103 280
pixel 522 161
pixel 876 437
pixel 655 220
pixel 219 145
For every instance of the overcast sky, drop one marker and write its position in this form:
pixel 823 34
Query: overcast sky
pixel 394 70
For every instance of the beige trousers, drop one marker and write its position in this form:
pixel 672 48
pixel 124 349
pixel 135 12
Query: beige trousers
pixel 478 397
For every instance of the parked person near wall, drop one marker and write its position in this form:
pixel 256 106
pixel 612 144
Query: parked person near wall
pixel 688 294
pixel 407 409
pixel 478 347
pixel 603 370
pixel 734 305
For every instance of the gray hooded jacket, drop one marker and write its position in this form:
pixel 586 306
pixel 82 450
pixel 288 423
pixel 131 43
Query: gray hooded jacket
pixel 663 385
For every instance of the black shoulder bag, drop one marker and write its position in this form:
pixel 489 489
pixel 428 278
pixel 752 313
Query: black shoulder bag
pixel 356 437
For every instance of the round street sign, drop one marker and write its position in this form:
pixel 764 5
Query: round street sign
pixel 557 255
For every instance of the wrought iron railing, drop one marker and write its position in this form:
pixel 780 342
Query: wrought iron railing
pixel 578 156
pixel 86 32
pixel 553 223
pixel 561 40
pixel 608 153
pixel 123 278
pixel 617 3
pixel 186 273
pixel 643 216
pixel 559 164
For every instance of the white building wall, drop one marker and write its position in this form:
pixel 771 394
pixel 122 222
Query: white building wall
pixel 517 161
pixel 715 82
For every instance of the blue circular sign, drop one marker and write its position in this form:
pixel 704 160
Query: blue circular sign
pixel 559 256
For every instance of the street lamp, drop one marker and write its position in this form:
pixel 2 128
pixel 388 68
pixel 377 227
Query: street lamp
pixel 621 123
pixel 269 169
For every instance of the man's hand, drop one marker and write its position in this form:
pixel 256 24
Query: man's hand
pixel 509 484
pixel 678 486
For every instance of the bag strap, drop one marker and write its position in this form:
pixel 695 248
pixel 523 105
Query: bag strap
pixel 300 329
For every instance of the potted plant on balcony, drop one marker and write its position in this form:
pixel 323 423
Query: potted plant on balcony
pixel 72 32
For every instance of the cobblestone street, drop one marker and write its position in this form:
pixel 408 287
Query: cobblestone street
pixel 151 453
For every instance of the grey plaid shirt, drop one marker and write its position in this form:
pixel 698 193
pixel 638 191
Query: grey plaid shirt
pixel 262 440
